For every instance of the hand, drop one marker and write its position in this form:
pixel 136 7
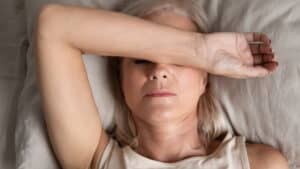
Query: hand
pixel 235 55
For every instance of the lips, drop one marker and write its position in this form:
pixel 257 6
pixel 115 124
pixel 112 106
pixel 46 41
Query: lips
pixel 160 94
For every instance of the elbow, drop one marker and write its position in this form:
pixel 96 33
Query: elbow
pixel 47 21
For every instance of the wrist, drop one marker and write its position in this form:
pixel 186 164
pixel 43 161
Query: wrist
pixel 201 50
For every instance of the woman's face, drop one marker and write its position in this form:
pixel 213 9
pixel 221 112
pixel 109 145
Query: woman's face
pixel 140 78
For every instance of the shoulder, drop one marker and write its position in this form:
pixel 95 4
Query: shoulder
pixel 262 156
pixel 109 153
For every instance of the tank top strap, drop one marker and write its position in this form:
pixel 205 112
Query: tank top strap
pixel 242 146
pixel 234 148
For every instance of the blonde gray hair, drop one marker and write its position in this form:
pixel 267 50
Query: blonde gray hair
pixel 212 123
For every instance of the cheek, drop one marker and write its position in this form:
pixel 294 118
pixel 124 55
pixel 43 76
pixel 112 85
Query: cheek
pixel 192 85
pixel 132 83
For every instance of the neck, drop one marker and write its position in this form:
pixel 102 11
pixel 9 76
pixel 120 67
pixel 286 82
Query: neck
pixel 172 141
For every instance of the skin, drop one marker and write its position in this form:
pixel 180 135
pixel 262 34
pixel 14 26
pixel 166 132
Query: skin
pixel 71 115
pixel 163 122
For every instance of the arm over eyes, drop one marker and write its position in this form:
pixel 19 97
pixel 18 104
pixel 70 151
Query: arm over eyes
pixel 63 34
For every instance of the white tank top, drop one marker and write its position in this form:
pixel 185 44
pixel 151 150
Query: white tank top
pixel 231 153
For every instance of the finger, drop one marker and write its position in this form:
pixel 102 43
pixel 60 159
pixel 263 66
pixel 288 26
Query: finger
pixel 264 38
pixel 257 71
pixel 260 59
pixel 271 66
pixel 268 58
pixel 256 36
pixel 257 59
pixel 260 49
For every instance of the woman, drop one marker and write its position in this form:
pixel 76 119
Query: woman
pixel 163 75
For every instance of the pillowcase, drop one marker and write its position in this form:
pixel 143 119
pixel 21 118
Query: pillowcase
pixel 265 110
pixel 13 46
pixel 32 144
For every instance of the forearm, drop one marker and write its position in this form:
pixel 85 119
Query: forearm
pixel 104 32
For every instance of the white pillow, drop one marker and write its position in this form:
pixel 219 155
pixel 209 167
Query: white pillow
pixel 265 110
pixel 32 144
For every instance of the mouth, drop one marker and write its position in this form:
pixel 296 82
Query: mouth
pixel 160 94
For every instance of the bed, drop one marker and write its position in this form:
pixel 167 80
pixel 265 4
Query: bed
pixel 265 110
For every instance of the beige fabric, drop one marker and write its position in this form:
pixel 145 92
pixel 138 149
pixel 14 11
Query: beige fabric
pixel 231 153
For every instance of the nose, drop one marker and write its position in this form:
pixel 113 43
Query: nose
pixel 159 71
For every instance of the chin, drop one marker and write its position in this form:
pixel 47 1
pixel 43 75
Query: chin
pixel 159 114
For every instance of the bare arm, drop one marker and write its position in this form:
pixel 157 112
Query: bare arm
pixel 105 32
pixel 262 156
pixel 63 34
